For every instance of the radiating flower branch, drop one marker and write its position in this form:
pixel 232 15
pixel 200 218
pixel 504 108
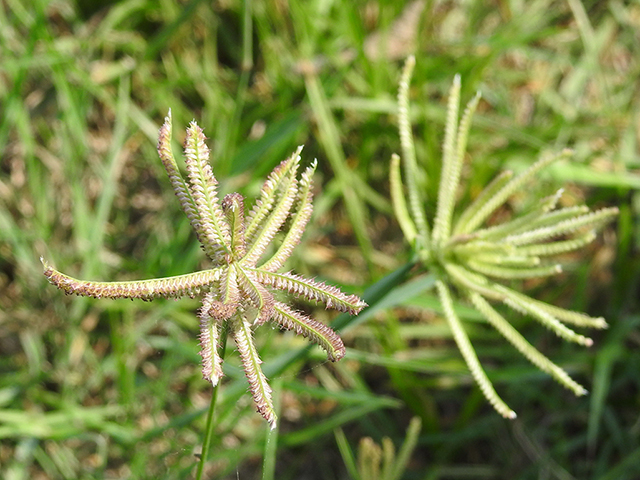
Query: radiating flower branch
pixel 238 291
pixel 472 259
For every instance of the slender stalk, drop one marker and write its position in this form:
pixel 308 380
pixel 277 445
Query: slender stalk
pixel 209 429
pixel 271 442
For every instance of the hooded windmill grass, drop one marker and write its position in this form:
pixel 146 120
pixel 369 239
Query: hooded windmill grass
pixel 238 290
pixel 472 260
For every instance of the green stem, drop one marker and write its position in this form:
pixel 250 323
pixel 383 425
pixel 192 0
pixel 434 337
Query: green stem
pixel 271 443
pixel 209 429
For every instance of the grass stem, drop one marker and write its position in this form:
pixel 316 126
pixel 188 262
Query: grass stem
pixel 209 429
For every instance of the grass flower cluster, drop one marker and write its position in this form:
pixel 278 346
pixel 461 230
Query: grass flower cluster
pixel 237 292
pixel 473 259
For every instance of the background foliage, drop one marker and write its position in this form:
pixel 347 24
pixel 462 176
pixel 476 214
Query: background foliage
pixel 102 389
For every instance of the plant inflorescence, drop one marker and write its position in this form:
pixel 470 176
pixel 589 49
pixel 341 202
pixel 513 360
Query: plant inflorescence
pixel 474 258
pixel 238 291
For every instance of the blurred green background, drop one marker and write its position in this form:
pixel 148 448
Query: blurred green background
pixel 113 389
